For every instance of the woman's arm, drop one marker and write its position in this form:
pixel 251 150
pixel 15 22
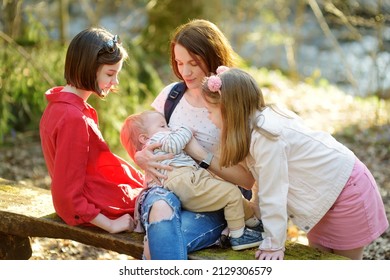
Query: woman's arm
pixel 171 142
pixel 150 163
pixel 237 174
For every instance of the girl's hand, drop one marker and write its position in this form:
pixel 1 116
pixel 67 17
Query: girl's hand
pixel 269 255
pixel 120 224
pixel 123 223
pixel 150 162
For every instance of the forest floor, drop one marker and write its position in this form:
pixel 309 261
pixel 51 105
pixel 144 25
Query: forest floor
pixel 357 124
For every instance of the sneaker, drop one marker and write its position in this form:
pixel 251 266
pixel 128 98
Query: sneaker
pixel 258 228
pixel 249 239
pixel 224 242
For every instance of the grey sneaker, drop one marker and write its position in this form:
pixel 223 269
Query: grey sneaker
pixel 250 238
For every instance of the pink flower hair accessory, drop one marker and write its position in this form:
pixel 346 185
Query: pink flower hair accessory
pixel 214 83
pixel 222 69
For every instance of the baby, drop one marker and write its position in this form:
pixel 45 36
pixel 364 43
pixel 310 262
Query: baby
pixel 197 188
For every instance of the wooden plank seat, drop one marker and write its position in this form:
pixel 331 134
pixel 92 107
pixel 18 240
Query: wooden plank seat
pixel 27 211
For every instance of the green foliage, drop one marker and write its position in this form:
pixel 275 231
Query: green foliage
pixel 316 79
pixel 163 17
pixel 22 83
pixel 25 78
pixel 34 31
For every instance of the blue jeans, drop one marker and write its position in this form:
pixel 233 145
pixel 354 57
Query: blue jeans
pixel 183 233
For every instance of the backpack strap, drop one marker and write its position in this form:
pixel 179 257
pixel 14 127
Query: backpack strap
pixel 173 99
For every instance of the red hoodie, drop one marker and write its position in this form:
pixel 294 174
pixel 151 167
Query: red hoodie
pixel 87 178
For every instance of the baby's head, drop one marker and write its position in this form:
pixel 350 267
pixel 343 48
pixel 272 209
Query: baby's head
pixel 138 128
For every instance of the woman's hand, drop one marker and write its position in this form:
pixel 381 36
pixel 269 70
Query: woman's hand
pixel 269 255
pixel 150 163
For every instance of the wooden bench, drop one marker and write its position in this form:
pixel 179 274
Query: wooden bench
pixel 27 211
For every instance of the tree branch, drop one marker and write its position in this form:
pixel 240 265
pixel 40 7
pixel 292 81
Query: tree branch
pixel 28 57
pixel 325 28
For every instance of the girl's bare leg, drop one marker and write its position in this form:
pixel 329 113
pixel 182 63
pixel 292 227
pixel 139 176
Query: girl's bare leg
pixel 353 254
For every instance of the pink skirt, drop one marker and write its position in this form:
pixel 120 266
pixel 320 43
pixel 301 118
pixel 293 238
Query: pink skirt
pixel 356 218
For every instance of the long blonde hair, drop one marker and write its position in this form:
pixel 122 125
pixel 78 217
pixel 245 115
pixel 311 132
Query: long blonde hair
pixel 239 98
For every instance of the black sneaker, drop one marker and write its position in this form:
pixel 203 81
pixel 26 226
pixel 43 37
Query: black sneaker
pixel 224 241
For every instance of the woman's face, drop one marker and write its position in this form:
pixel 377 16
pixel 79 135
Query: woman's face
pixel 107 76
pixel 190 69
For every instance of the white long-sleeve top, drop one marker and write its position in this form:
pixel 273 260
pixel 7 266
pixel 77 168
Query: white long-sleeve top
pixel 299 173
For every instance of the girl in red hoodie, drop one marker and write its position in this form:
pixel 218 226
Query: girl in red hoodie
pixel 90 185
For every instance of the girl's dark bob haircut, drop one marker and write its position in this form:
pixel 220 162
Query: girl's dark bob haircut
pixel 89 50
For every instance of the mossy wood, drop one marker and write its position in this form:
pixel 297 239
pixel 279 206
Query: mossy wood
pixel 27 211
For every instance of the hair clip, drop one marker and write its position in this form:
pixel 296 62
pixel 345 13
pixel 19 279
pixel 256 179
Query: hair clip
pixel 222 69
pixel 111 43
pixel 214 83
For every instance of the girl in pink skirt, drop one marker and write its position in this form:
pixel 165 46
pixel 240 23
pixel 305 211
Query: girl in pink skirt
pixel 303 175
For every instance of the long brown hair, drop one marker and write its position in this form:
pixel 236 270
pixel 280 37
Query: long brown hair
pixel 206 43
pixel 239 98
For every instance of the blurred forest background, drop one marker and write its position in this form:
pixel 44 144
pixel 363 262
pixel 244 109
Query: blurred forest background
pixel 328 60
pixel 345 43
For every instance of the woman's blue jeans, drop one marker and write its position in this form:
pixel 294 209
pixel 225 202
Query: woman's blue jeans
pixel 183 233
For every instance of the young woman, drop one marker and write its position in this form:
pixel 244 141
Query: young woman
pixel 197 49
pixel 90 185
pixel 302 174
